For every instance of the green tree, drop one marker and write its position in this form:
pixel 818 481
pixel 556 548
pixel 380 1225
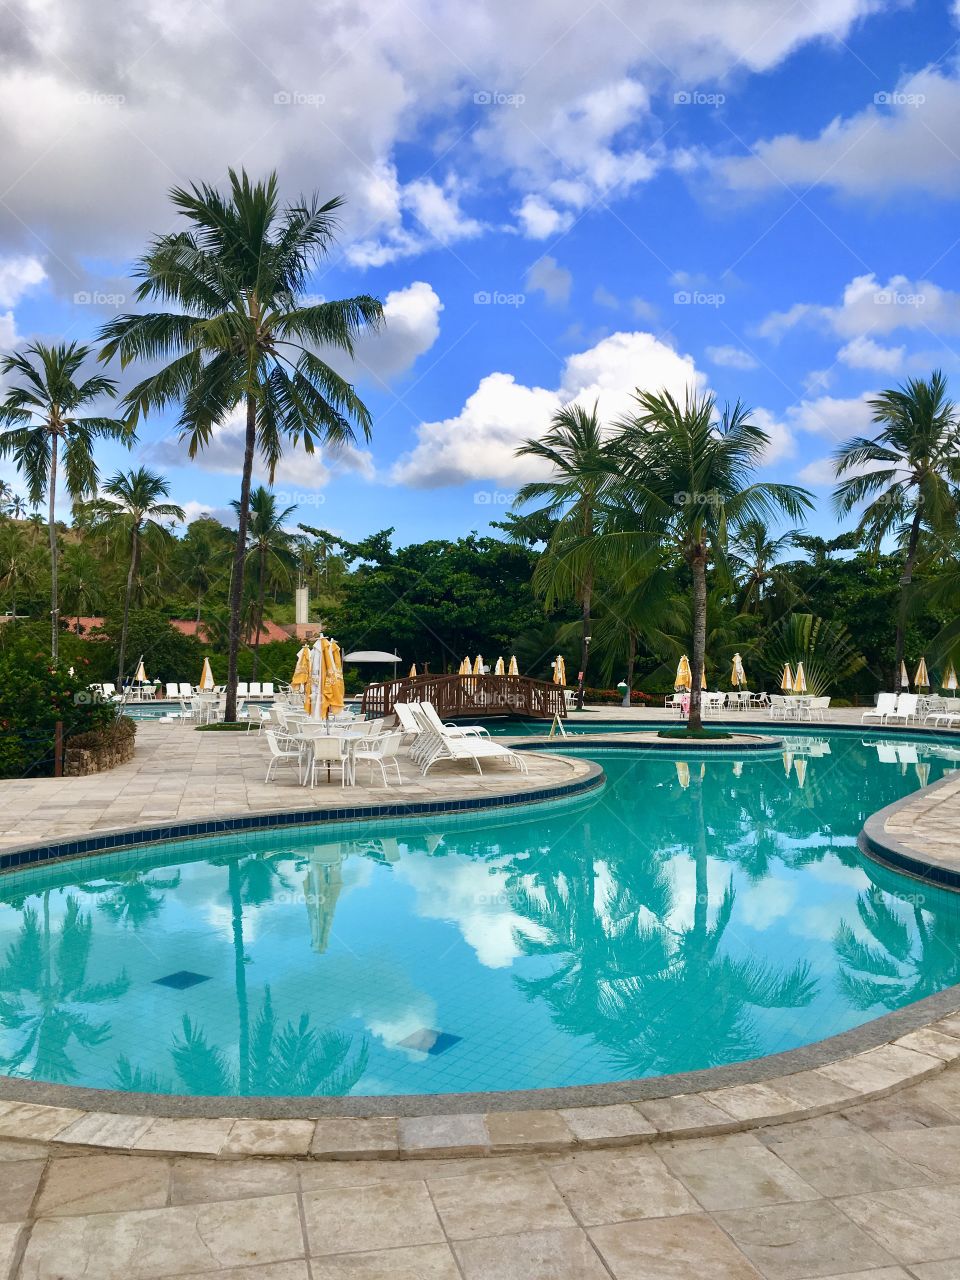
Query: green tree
pixel 687 478
pixel 912 470
pixel 239 340
pixel 754 556
pixel 132 506
pixel 581 463
pixel 44 411
pixel 270 548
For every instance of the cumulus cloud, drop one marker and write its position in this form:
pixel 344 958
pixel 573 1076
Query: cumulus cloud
pixel 832 416
pixel 864 353
pixel 481 440
pixel 18 275
pixel 908 137
pixel 870 306
pixel 729 357
pixel 411 327
pixel 546 276
pixel 115 105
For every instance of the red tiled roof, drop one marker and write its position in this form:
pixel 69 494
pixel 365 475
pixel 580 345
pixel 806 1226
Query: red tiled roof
pixel 272 633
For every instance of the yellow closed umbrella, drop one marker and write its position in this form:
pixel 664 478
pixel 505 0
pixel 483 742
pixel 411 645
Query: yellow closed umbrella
pixel 513 669
pixel 478 665
pixel 412 674
pixel 560 671
pixel 800 681
pixel 786 684
pixel 141 676
pixel 922 678
pixel 301 676
pixel 949 677
pixel 206 675
pixel 332 692
pixel 738 676
pixel 703 678
pixel 684 678
pixel 499 669
pixel 465 667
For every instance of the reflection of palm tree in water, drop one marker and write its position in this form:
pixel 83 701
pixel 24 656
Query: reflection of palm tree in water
pixel 132 897
pixel 661 998
pixel 43 981
pixel 294 1060
pixel 902 964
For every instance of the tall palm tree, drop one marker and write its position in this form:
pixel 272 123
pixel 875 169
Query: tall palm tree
pixel 754 555
pixel 133 507
pixel 580 460
pixel 44 411
pixel 237 340
pixel 913 468
pixel 687 477
pixel 269 547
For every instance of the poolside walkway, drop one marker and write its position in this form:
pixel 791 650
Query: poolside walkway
pixel 870 1194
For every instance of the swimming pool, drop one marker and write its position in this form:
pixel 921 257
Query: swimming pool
pixel 693 912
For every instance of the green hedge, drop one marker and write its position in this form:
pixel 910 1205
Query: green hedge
pixel 33 697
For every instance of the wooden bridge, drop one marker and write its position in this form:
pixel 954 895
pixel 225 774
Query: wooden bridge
pixel 455 696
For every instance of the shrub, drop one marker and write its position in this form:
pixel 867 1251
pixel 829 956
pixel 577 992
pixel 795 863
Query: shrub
pixel 34 696
pixel 613 697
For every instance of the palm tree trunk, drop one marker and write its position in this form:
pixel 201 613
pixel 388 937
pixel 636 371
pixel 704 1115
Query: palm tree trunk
pixel 239 557
pixel 631 666
pixel 905 581
pixel 586 601
pixel 131 575
pixel 52 526
pixel 260 588
pixel 698 565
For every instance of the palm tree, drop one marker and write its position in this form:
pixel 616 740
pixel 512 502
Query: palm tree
pixel 914 466
pixel 43 411
pixel 686 479
pixel 133 507
pixel 580 459
pixel 269 545
pixel 238 340
pixel 16 507
pixel 754 555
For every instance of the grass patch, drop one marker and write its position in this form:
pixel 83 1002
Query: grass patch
pixel 224 726
pixel 693 733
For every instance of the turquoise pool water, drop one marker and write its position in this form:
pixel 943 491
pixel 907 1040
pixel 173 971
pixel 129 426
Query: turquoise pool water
pixel 692 913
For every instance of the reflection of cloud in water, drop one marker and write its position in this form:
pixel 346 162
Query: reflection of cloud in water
pixel 832 871
pixel 760 904
pixel 681 873
pixel 472 895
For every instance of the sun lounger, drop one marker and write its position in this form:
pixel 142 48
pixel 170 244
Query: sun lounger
pixel 886 702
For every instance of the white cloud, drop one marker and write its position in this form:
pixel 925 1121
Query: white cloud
pixel 17 276
pixel 831 416
pixel 864 353
pixel 869 306
pixel 481 440
pixel 546 276
pixel 540 220
pixel 782 444
pixel 908 137
pixel 8 331
pixel 730 357
pixel 411 327
pixel 821 473
pixel 604 298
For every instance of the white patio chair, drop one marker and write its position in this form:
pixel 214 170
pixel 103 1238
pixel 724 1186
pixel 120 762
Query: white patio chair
pixel 380 752
pixel 778 707
pixel 816 708
pixel 322 749
pixel 886 702
pixel 674 702
pixel 906 709
pixel 282 756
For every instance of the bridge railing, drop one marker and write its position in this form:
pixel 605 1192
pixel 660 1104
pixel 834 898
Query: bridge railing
pixel 455 696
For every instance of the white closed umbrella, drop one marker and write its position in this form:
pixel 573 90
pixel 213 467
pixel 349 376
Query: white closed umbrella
pixel 316 678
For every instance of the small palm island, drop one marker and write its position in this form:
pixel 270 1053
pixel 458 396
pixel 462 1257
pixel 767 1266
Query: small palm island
pixel 481 798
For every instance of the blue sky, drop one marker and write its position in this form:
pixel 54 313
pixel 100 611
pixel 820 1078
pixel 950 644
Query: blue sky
pixel 567 202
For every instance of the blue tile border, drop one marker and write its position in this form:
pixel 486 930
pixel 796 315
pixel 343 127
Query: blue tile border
pixel 11 859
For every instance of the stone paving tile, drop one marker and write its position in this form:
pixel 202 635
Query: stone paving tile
pixel 416 1262
pixel 797 1241
pixel 349 1138
pixel 735 1173
pixel 948 1269
pixel 164 1242
pixel 453 1135
pixel 103 1129
pixel 854 1164
pixel 915 1225
pixel 607 1125
pixel 9 1240
pixel 194 1181
pixel 685 1248
pixel 269 1138
pixel 534 1255
pixel 18 1186
pixel 528 1131
pixel 492 1204
pixel 935 1151
pixel 360 1219
pixel 103 1184
pixel 204 1137
pixel 621 1187
pixel 904 1110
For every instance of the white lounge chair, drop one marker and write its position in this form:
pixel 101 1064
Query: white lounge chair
pixel 186 690
pixel 172 690
pixel 455 730
pixel 254 688
pixel 442 745
pixel 267 691
pixel 886 702
pixel 946 719
pixel 906 709
pixel 242 691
